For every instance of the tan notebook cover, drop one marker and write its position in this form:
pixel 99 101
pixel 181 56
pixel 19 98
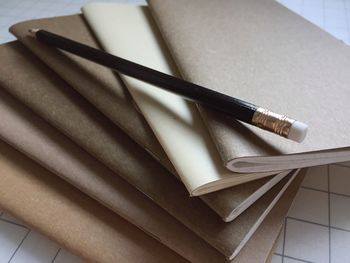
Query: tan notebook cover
pixel 66 215
pixel 260 51
pixel 227 203
pixel 61 106
pixel 83 226
pixel 41 142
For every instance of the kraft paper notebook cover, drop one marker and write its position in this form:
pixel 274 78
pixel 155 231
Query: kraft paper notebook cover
pixel 41 89
pixel 41 142
pixel 227 203
pixel 260 51
pixel 175 121
pixel 17 125
pixel 35 138
pixel 71 218
pixel 68 216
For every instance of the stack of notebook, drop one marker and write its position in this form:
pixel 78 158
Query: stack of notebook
pixel 117 170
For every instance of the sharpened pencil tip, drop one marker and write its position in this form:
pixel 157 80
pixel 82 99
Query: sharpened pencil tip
pixel 33 31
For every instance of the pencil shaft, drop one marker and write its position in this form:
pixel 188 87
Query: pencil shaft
pixel 234 107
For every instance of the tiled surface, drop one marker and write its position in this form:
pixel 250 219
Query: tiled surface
pixel 317 178
pixel 340 212
pixel 340 245
pixel 276 259
pixel 280 243
pixel 331 15
pixel 11 235
pixel 317 228
pixel 32 249
pixel 340 180
pixel 291 260
pixel 304 206
pixel 20 244
pixel 306 241
pixel 63 256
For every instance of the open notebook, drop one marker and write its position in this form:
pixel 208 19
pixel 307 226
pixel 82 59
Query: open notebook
pixel 176 122
pixel 272 57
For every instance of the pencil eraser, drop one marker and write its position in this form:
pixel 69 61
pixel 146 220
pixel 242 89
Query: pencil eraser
pixel 297 131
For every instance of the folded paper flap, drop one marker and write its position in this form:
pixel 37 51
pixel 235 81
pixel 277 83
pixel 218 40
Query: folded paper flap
pixel 267 55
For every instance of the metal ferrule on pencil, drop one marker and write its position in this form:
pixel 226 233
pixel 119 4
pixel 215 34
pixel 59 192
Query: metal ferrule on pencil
pixel 273 122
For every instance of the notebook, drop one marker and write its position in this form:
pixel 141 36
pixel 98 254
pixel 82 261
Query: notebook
pixel 66 215
pixel 175 121
pixel 45 93
pixel 269 56
pixel 31 135
pixel 227 203
pixel 83 226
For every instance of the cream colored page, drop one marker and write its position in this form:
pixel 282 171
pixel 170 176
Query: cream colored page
pixel 126 31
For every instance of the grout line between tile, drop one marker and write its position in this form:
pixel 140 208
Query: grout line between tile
pixel 19 245
pixel 313 189
pixel 344 195
pixel 10 222
pixel 324 191
pixel 54 258
pixel 294 258
pixel 284 238
pixel 339 228
pixel 314 223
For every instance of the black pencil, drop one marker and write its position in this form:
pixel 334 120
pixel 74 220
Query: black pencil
pixel 238 109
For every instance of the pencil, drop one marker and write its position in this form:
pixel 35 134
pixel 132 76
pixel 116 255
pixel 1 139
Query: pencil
pixel 239 109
